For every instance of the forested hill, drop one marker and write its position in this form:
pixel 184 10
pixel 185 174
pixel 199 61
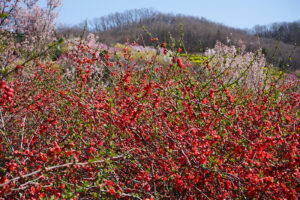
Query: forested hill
pixel 286 32
pixel 199 33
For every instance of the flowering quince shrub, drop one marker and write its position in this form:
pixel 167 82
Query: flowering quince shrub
pixel 103 123
pixel 150 132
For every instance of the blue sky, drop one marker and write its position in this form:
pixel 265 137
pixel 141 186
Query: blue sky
pixel 234 13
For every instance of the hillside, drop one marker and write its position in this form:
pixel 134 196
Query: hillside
pixel 199 34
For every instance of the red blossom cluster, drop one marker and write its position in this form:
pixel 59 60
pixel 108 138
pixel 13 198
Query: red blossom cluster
pixel 145 132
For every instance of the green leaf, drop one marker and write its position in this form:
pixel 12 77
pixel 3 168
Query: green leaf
pixel 61 40
pixel 3 15
pixel 33 54
pixel 50 44
pixel 4 70
pixel 52 197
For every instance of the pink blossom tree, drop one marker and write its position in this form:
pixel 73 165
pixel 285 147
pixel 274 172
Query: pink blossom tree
pixel 25 28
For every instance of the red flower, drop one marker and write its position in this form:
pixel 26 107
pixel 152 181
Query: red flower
pixel 19 67
pixel 240 132
pixel 204 101
pixel 62 93
pixel 211 93
pixel 165 51
pixel 3 84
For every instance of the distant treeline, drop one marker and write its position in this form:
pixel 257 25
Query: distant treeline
pixel 199 33
pixel 286 32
